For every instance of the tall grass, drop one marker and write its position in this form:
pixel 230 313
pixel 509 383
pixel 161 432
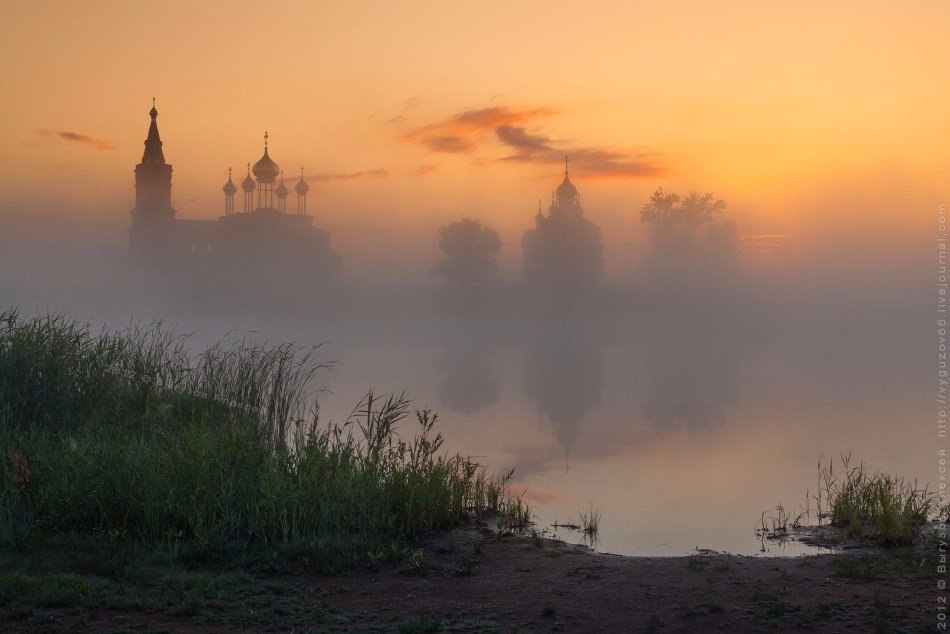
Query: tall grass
pixel 873 504
pixel 124 434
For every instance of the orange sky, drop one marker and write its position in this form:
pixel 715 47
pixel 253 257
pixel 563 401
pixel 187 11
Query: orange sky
pixel 807 117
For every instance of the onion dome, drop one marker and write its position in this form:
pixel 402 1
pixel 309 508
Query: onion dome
pixel 566 192
pixel 281 190
pixel 229 187
pixel 302 187
pixel 266 170
pixel 248 183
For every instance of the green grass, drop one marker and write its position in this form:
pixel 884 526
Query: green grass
pixel 126 437
pixel 59 582
pixel 873 504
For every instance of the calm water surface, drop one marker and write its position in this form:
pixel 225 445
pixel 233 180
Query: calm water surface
pixel 681 430
pixel 680 424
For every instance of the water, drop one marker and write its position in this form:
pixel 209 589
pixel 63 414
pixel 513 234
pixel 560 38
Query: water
pixel 680 428
pixel 680 422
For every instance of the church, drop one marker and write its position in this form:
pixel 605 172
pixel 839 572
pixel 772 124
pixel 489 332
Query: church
pixel 564 251
pixel 261 236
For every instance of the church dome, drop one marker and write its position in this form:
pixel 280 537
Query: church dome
pixel 566 192
pixel 301 187
pixel 266 170
pixel 229 187
pixel 281 190
pixel 248 183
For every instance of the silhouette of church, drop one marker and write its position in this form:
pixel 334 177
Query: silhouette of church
pixel 564 251
pixel 261 236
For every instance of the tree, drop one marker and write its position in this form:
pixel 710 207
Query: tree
pixel 469 251
pixel 690 243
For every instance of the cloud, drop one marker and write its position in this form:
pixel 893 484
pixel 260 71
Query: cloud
pixel 94 143
pixel 462 133
pixel 428 168
pixel 517 131
pixel 376 173
pixel 592 161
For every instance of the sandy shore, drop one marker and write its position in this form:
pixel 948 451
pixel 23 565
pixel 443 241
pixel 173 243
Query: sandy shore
pixel 467 581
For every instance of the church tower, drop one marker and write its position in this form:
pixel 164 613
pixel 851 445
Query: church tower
pixel 153 215
pixel 564 252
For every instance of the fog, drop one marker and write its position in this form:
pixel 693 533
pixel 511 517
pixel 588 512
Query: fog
pixel 708 375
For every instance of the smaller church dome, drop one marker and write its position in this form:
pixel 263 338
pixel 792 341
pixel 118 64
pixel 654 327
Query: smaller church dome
pixel 301 187
pixel 566 192
pixel 229 187
pixel 248 183
pixel 281 190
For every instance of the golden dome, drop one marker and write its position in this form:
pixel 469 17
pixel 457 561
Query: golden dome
pixel 248 183
pixel 229 187
pixel 301 187
pixel 266 170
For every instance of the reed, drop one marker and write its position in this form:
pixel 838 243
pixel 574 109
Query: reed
pixel 125 435
pixel 873 504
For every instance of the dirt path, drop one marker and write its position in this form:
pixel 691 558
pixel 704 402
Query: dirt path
pixel 470 582
pixel 514 585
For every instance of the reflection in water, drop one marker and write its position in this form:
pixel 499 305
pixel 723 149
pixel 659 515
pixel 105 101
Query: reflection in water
pixel 468 380
pixel 690 367
pixel 564 375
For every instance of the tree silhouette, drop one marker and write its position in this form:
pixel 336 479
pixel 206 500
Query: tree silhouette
pixel 469 251
pixel 690 243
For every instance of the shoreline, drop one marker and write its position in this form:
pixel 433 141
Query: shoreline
pixel 469 580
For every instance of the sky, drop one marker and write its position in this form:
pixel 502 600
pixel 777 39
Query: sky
pixel 822 125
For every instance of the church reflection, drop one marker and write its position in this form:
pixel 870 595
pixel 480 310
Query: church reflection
pixel 564 375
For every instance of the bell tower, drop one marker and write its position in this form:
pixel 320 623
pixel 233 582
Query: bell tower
pixel 153 213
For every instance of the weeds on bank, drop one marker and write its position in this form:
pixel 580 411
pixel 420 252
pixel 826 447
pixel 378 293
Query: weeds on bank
pixel 873 504
pixel 776 525
pixel 867 504
pixel 127 437
pixel 590 523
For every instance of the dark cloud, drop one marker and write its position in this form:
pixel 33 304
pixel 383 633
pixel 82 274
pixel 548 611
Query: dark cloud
pixel 376 173
pixel 540 149
pixel 517 130
pixel 94 143
pixel 464 132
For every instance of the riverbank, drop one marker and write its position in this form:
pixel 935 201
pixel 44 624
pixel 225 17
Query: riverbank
pixel 467 580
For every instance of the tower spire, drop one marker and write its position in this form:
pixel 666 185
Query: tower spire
pixel 565 164
pixel 153 142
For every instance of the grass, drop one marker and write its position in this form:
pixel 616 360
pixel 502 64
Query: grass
pixel 71 574
pixel 590 523
pixel 882 508
pixel 776 525
pixel 870 504
pixel 126 437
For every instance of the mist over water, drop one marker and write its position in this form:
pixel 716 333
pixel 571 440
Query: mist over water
pixel 680 410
